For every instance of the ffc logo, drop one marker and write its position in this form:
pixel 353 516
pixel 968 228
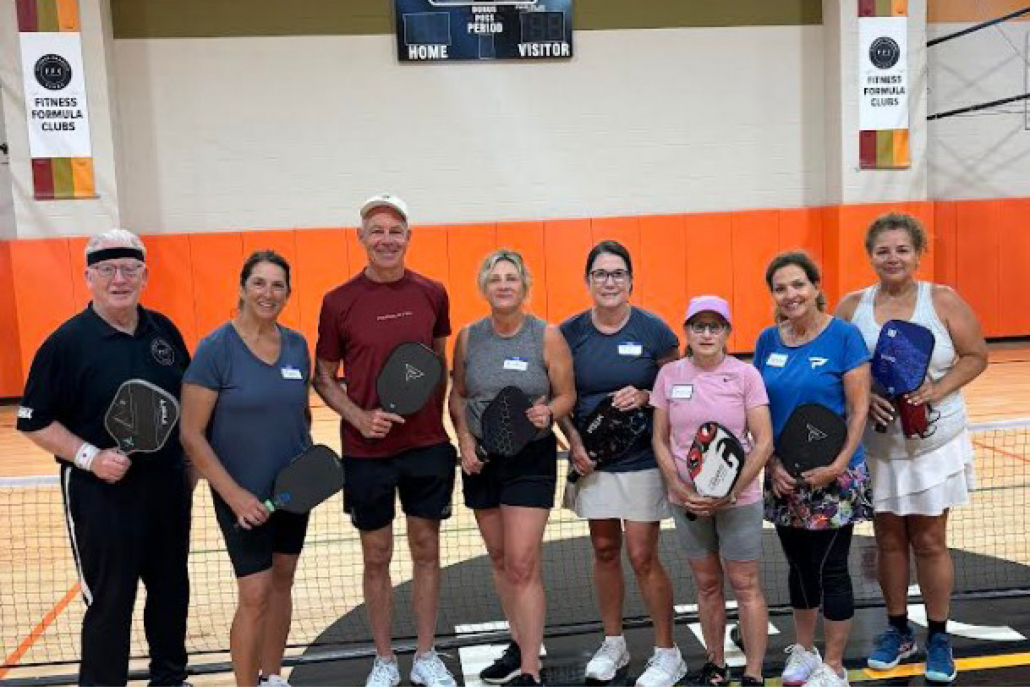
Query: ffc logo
pixel 884 53
pixel 53 72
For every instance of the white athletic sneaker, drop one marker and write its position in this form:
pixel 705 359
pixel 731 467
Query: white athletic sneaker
pixel 609 659
pixel 274 681
pixel 825 676
pixel 801 664
pixel 384 673
pixel 428 670
pixel 666 667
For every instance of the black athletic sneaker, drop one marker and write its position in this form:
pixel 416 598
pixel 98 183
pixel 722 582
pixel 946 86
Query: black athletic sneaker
pixel 526 679
pixel 710 674
pixel 748 681
pixel 506 668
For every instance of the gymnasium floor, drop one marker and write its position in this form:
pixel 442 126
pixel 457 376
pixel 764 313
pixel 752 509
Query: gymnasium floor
pixel 991 635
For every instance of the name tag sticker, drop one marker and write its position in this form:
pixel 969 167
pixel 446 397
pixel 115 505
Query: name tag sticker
pixel 518 364
pixel 631 349
pixel 776 360
pixel 684 391
pixel 291 373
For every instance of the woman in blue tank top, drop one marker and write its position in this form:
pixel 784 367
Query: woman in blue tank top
pixel 512 497
pixel 916 480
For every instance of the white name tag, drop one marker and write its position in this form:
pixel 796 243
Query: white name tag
pixel 516 364
pixel 776 360
pixel 631 349
pixel 685 391
pixel 291 373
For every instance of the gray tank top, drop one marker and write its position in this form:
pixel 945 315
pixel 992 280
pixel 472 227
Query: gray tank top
pixel 952 408
pixel 493 362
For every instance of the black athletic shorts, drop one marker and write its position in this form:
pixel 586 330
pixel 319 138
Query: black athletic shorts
pixel 251 550
pixel 526 479
pixel 423 477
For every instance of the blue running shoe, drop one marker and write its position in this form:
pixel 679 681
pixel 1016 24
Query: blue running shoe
pixel 940 664
pixel 892 647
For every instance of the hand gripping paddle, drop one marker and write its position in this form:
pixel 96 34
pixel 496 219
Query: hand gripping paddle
pixel 714 462
pixel 308 480
pixel 141 417
pixel 410 376
pixel 899 366
pixel 506 429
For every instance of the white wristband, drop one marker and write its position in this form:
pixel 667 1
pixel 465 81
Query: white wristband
pixel 85 455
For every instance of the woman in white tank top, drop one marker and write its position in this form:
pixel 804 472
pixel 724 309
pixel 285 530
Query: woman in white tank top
pixel 917 480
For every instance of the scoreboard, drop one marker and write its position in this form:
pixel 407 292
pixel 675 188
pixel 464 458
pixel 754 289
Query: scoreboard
pixel 443 30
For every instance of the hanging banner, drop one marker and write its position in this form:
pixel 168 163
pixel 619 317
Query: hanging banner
pixel 56 111
pixel 883 114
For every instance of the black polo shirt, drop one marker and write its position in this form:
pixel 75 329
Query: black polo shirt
pixel 78 369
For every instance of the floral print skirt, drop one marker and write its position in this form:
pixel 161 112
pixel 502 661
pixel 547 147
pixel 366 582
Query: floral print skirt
pixel 846 501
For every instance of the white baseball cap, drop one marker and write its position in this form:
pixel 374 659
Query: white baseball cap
pixel 385 200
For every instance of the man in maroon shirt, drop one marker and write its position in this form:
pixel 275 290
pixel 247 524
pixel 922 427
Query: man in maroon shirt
pixel 384 454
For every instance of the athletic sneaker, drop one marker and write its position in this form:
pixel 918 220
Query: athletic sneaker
pixel 940 664
pixel 429 671
pixel 825 676
pixel 506 668
pixel 801 663
pixel 892 647
pixel 274 681
pixel 526 679
pixel 609 659
pixel 384 673
pixel 710 674
pixel 666 667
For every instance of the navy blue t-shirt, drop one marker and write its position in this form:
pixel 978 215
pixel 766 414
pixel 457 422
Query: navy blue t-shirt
pixel 810 373
pixel 605 363
pixel 258 423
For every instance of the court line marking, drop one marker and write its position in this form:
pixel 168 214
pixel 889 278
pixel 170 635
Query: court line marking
pixel 37 632
pixel 1007 454
pixel 971 663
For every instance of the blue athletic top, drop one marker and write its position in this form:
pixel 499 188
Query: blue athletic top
pixel 605 363
pixel 258 423
pixel 810 373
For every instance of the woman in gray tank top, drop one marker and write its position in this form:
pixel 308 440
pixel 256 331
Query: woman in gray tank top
pixel 512 498
pixel 917 480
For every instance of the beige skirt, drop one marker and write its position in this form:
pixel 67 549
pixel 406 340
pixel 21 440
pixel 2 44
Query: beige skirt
pixel 635 496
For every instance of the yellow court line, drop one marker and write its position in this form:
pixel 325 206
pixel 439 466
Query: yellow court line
pixel 971 663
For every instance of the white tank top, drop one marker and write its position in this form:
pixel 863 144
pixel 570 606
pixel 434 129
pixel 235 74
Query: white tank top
pixel 952 408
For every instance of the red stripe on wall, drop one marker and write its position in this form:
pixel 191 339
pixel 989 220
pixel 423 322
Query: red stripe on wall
pixel 867 8
pixel 867 149
pixel 43 178
pixel 27 18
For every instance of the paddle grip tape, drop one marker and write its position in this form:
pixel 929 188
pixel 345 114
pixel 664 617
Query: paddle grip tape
pixel 85 455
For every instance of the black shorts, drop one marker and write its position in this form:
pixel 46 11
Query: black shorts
pixel 424 478
pixel 251 550
pixel 526 479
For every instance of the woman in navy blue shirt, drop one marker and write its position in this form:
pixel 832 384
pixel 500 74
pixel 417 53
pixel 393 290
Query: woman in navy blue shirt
pixel 810 356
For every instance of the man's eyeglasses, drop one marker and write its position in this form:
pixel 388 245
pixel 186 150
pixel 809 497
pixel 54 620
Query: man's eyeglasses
pixel 715 328
pixel 601 276
pixel 108 271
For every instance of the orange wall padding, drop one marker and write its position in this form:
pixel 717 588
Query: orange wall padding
pixel 195 278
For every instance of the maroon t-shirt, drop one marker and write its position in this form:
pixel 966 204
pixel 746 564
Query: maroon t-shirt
pixel 361 323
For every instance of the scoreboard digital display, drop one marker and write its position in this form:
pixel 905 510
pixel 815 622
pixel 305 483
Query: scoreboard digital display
pixel 443 30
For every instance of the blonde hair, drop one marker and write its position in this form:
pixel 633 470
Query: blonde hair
pixel 499 255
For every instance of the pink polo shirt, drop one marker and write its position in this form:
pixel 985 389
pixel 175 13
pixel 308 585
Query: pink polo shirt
pixel 692 396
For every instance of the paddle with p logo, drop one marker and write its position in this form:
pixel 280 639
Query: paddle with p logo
pixel 409 378
pixel 812 438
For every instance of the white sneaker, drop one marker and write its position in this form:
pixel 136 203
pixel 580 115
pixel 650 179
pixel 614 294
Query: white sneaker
pixel 825 676
pixel 665 668
pixel 801 664
pixel 428 670
pixel 384 673
pixel 274 681
pixel 609 659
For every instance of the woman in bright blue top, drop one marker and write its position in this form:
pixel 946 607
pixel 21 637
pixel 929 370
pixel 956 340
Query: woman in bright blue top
pixel 812 357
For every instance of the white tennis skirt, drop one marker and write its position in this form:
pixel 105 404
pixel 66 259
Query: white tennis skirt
pixel 635 496
pixel 928 484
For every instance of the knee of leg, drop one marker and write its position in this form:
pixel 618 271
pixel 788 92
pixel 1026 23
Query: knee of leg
pixel 378 557
pixel 608 553
pixel 929 543
pixel 708 584
pixel 643 560
pixel 745 584
pixel 253 598
pixel 521 571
